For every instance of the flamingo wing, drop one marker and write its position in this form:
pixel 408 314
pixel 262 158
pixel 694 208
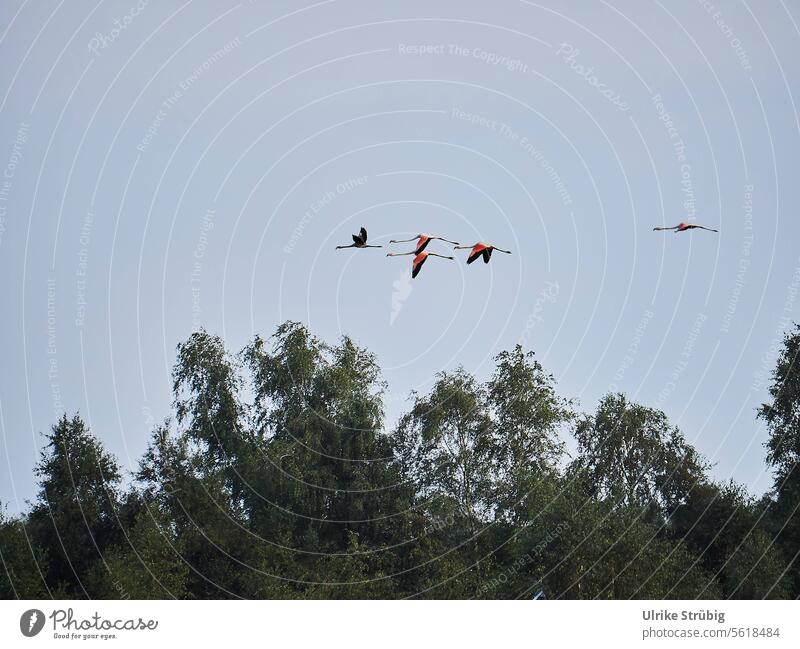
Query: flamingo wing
pixel 358 240
pixel 363 234
pixel 423 242
pixel 476 251
pixel 418 261
pixel 487 255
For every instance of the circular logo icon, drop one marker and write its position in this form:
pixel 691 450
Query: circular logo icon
pixel 31 622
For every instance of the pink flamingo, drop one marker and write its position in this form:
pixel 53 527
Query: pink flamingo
pixel 683 227
pixel 481 249
pixel 422 241
pixel 420 259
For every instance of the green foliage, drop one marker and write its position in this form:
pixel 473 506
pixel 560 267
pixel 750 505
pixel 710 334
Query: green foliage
pixel 632 454
pixel 74 518
pixel 147 564
pixel 276 478
pixel 23 564
pixel 782 417
pixel 527 418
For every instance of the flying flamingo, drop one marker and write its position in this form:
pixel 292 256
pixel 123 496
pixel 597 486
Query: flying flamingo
pixel 683 227
pixel 481 249
pixel 359 241
pixel 420 259
pixel 422 241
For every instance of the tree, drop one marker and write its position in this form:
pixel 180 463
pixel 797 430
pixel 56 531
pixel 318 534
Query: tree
pixel 148 563
pixel 597 548
pixel 299 492
pixel 782 416
pixel 329 483
pixel 756 569
pixel 633 455
pixel 722 526
pixel 206 389
pixel 527 416
pixel 74 519
pixel 444 446
pixel 23 565
pixel 225 559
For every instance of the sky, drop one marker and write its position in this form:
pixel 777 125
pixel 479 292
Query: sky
pixel 166 166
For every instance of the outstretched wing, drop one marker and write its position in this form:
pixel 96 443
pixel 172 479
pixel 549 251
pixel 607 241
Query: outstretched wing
pixel 487 255
pixel 422 243
pixel 418 261
pixel 363 234
pixel 476 252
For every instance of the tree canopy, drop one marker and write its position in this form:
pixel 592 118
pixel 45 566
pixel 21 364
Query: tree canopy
pixel 276 477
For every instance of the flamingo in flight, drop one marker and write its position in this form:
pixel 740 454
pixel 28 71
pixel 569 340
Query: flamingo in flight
pixel 359 241
pixel 422 241
pixel 683 227
pixel 481 249
pixel 419 259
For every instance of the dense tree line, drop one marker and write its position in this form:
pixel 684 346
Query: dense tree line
pixel 276 479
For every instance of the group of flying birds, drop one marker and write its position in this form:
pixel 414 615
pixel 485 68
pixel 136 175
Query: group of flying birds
pixel 477 251
pixel 421 255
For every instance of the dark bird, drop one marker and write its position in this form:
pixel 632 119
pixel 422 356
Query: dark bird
pixel 683 227
pixel 420 259
pixel 481 249
pixel 359 241
pixel 422 241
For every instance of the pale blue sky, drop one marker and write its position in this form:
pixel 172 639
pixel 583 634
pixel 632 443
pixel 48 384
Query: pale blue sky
pixel 199 165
